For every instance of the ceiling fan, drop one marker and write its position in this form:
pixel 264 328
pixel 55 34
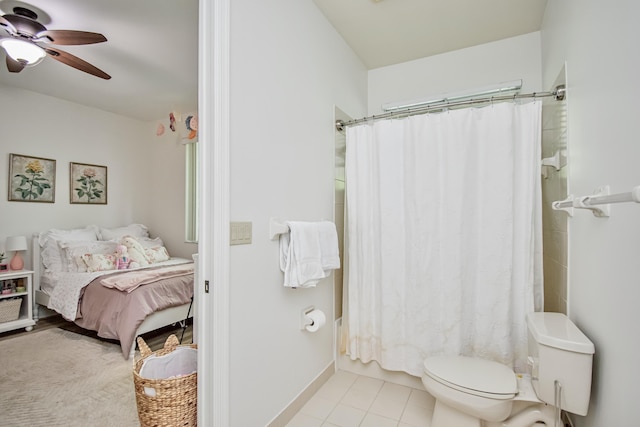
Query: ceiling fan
pixel 23 47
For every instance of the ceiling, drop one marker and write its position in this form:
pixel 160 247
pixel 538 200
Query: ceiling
pixel 151 54
pixel 152 48
pixel 385 32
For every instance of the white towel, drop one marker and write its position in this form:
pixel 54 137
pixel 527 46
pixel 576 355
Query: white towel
pixel 308 253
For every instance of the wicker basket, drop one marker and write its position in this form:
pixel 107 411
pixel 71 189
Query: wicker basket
pixel 10 309
pixel 175 400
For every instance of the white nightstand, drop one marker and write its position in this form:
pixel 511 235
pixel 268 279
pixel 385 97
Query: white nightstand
pixel 25 316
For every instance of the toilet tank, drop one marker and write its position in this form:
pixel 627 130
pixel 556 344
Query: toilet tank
pixel 558 350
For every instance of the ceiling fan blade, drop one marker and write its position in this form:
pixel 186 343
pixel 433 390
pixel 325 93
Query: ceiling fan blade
pixel 75 62
pixel 13 65
pixel 70 37
pixel 4 23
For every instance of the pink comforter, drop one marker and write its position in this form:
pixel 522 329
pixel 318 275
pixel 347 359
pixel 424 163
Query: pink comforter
pixel 115 314
pixel 131 280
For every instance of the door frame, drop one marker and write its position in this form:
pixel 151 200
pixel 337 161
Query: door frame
pixel 212 298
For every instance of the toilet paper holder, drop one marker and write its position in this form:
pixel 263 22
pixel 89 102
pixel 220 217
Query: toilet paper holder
pixel 304 318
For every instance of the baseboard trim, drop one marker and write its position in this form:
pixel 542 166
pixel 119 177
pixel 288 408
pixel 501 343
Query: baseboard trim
pixel 301 399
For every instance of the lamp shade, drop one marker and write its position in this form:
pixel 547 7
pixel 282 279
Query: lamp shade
pixel 23 51
pixel 16 243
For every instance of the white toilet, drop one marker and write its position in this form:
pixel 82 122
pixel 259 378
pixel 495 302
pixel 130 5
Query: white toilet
pixel 472 392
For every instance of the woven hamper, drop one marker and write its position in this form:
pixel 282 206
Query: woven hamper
pixel 175 400
pixel 10 309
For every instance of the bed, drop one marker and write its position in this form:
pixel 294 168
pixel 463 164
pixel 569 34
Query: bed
pixel 75 275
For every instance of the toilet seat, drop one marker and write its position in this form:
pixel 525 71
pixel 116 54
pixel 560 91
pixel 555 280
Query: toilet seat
pixel 478 377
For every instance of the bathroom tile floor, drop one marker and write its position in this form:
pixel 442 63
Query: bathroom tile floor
pixel 350 400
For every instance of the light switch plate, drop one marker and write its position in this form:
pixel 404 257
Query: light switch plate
pixel 240 233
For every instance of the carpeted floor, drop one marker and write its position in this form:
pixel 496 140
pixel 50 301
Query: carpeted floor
pixel 68 377
pixel 60 378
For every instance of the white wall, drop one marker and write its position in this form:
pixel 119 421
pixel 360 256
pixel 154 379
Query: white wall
pixel 487 64
pixel 599 42
pixel 288 69
pixel 161 201
pixel 42 126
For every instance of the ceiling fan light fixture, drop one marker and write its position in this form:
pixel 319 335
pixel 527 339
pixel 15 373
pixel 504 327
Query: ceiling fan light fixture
pixel 22 51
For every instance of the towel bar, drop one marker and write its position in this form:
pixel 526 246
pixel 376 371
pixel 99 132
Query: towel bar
pixel 277 227
pixel 598 203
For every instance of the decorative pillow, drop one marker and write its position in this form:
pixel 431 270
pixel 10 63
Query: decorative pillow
pixel 157 254
pixel 52 258
pixel 136 250
pixel 135 230
pixel 99 262
pixel 72 252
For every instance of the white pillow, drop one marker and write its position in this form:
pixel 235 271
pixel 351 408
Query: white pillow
pixel 135 230
pixel 148 242
pixel 73 250
pixel 52 258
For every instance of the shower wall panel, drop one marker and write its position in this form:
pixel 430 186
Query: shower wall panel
pixel 554 187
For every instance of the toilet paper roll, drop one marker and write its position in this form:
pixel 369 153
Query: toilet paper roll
pixel 316 319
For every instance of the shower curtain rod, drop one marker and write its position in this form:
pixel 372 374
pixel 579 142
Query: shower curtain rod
pixel 559 94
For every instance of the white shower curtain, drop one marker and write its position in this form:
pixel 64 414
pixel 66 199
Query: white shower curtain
pixel 443 236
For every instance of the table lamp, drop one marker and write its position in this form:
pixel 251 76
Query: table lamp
pixel 16 244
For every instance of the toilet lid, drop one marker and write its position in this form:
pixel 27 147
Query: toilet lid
pixel 473 375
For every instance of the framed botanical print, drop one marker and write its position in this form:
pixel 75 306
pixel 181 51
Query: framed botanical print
pixel 88 184
pixel 31 179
